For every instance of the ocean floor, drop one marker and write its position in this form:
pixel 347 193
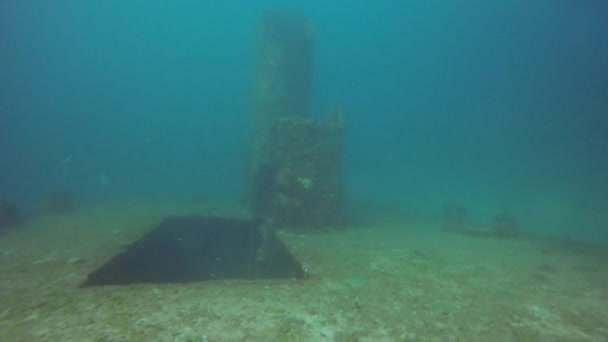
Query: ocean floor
pixel 396 280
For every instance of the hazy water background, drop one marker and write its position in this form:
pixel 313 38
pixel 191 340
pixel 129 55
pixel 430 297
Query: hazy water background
pixel 493 106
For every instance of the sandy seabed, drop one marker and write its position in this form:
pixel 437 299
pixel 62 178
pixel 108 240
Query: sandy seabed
pixel 397 280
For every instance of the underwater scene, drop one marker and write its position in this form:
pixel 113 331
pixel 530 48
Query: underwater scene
pixel 304 170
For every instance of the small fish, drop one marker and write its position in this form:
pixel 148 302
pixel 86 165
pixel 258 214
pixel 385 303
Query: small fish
pixel 103 179
pixel 66 160
pixel 62 169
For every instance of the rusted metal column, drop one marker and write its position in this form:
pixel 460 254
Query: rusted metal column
pixel 294 165
pixel 284 69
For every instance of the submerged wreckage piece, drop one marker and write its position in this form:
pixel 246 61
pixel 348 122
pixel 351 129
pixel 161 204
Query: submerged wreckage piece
pixel 199 248
pixel 294 174
pixel 8 214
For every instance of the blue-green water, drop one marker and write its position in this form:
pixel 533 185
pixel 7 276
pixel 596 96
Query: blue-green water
pixel 492 106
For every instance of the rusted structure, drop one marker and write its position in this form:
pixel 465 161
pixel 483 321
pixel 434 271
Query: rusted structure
pixel 294 161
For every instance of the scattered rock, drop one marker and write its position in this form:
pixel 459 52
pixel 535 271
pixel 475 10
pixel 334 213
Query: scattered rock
pixel 546 268
pixel 75 260
pixel 58 203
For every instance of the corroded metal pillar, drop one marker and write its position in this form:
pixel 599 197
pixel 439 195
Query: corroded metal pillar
pixel 294 162
pixel 284 69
